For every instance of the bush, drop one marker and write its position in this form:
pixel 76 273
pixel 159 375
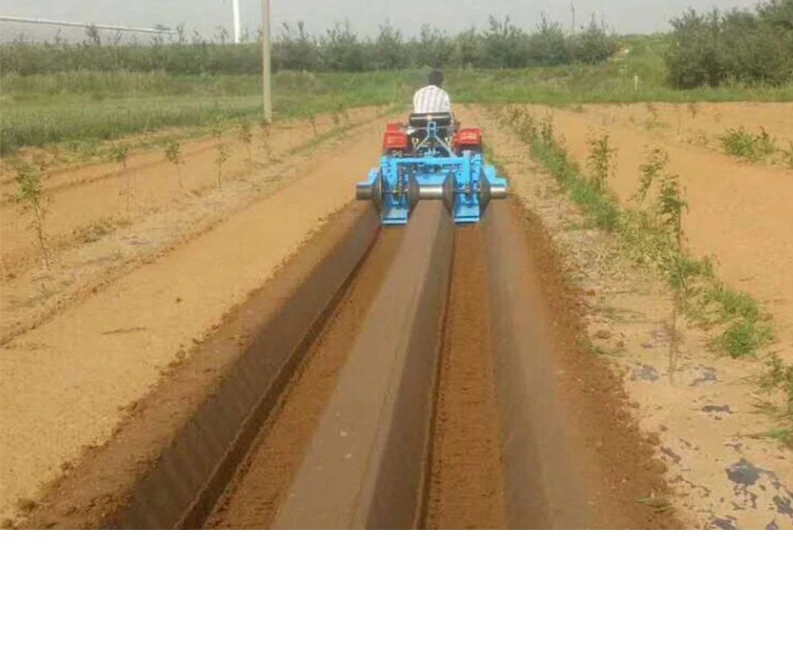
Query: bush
pixel 503 45
pixel 737 46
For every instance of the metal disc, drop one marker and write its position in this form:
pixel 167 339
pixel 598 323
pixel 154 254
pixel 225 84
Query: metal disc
pixel 377 191
pixel 448 193
pixel 414 191
pixel 485 193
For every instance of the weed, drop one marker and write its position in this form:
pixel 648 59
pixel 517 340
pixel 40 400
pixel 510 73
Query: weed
pixel 742 144
pixel 693 109
pixel 733 304
pixel 787 156
pixel 779 376
pixel 32 197
pixel 97 230
pixel 745 336
pixel 173 153
pixel 783 435
pixel 313 120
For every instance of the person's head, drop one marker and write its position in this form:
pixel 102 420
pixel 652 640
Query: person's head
pixel 436 78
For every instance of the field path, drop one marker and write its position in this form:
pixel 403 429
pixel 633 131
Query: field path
pixel 65 383
pixel 740 213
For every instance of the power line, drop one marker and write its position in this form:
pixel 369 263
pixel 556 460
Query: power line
pixel 115 28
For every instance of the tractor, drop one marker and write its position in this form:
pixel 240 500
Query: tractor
pixel 432 158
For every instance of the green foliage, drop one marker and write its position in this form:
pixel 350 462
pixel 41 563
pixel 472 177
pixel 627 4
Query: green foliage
pixel 656 160
pixel 600 160
pixel 740 45
pixel 744 337
pixel 502 45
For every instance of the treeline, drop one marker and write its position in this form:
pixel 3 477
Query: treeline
pixel 502 45
pixel 744 46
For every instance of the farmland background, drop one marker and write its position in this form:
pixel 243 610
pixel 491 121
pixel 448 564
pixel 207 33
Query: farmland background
pixel 80 93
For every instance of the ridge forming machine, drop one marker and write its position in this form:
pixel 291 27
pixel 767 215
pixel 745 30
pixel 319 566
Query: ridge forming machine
pixel 432 158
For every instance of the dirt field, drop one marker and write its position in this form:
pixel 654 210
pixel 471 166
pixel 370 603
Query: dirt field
pixel 65 382
pixel 707 418
pixel 741 213
pixel 138 298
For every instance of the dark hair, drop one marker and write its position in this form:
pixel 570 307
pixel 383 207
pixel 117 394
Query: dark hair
pixel 436 78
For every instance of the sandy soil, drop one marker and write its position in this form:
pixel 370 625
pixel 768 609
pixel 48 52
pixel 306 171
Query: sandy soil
pixel 703 415
pixel 740 213
pixel 84 199
pixel 66 382
pixel 93 239
pixel 701 124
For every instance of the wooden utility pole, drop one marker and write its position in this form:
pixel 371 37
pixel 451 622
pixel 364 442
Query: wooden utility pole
pixel 266 67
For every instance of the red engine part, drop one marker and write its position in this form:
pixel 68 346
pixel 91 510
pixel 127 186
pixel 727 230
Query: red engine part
pixel 395 138
pixel 467 139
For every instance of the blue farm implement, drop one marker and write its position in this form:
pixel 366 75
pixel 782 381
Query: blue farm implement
pixel 432 159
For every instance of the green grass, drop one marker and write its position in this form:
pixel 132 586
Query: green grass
pixel 44 110
pixel 93 106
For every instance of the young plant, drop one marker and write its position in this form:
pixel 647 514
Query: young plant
pixel 671 207
pixel 31 196
pixel 119 153
pixel 653 111
pixel 221 153
pixel 600 160
pixel 173 153
pixel 546 130
pixel 266 137
pixel 246 137
pixel 657 159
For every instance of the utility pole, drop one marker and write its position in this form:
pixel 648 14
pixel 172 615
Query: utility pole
pixel 236 13
pixel 266 67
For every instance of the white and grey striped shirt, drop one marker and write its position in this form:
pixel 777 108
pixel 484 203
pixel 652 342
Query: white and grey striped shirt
pixel 431 99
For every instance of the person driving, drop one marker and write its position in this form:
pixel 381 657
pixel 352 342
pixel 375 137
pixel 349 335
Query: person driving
pixel 432 98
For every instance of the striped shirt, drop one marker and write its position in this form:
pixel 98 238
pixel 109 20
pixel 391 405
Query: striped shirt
pixel 430 100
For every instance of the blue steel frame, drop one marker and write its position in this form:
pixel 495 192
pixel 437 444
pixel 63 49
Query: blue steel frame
pixel 462 181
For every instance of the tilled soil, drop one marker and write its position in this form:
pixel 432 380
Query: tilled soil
pixel 61 390
pixel 467 488
pixel 259 487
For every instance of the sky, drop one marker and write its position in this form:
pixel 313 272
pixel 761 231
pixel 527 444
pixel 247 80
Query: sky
pixel 626 16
